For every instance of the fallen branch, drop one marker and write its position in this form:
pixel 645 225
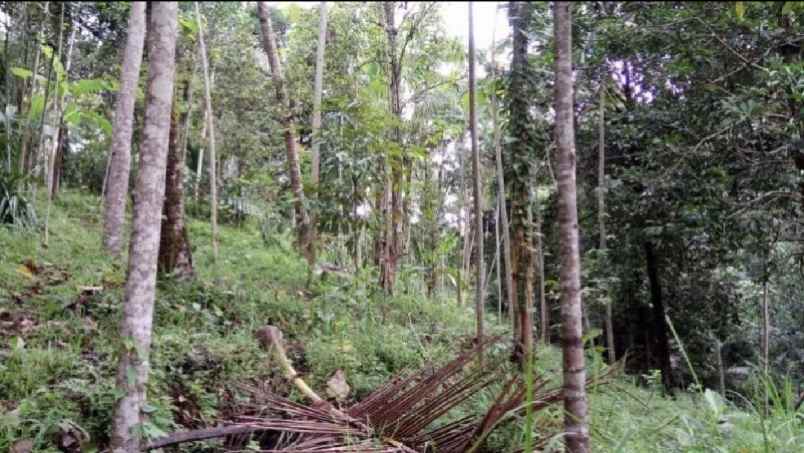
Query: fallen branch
pixel 271 340
pixel 202 434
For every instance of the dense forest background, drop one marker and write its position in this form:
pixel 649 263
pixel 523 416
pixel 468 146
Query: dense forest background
pixel 389 196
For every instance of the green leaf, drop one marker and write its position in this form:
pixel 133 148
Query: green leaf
pixel 89 86
pixel 739 9
pixel 21 72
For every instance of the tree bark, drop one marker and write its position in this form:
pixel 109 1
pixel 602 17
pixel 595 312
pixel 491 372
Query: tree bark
pixel 317 91
pixel 175 256
pixel 476 190
pixel 574 388
pixel 601 216
pixel 136 324
pixel 520 160
pixel 120 161
pixel 304 229
pixel 392 241
pixel 213 186
pixel 661 347
pixel 503 212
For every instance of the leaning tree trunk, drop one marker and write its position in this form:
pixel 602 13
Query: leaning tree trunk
pixel 213 186
pixel 175 256
pixel 522 257
pixel 476 189
pixel 136 324
pixel 304 228
pixel 120 161
pixel 574 387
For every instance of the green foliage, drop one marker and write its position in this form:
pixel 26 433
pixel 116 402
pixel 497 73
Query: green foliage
pixel 15 209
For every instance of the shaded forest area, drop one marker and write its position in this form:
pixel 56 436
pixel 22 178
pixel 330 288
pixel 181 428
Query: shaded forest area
pixel 347 226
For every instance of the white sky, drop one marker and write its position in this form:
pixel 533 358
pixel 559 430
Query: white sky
pixel 456 21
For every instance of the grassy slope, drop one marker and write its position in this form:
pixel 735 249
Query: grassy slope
pixel 57 347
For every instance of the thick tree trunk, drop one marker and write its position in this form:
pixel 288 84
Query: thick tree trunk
pixel 213 175
pixel 136 324
pixel 175 256
pixel 574 388
pixel 120 161
pixel 661 347
pixel 477 190
pixel 520 160
pixel 304 228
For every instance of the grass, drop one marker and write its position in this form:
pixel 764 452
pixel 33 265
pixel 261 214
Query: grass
pixel 58 343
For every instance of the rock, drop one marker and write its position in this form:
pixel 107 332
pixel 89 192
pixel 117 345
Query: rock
pixel 337 387
pixel 22 446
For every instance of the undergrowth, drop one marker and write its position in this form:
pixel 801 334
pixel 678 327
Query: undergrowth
pixel 60 307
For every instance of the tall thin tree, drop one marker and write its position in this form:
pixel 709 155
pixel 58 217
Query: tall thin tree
pixel 503 211
pixel 120 160
pixel 304 229
pixel 601 212
pixel 318 86
pixel 520 159
pixel 213 186
pixel 476 186
pixel 574 375
pixel 137 321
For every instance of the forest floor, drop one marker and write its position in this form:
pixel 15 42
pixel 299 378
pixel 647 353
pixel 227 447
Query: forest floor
pixel 59 312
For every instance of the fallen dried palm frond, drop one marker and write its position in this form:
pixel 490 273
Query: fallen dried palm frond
pixel 395 417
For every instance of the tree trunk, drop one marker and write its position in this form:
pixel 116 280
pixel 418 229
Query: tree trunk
pixel 574 388
pixel 317 89
pixel 304 229
pixel 601 216
pixel 175 256
pixel 213 187
pixel 503 212
pixel 391 251
pixel 477 190
pixel 120 161
pixel 661 347
pixel 520 160
pixel 26 137
pixel 136 324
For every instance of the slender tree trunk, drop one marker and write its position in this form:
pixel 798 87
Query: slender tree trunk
pixel 26 137
pixel 317 91
pixel 136 324
pixel 574 388
pixel 175 256
pixel 200 166
pixel 661 346
pixel 463 225
pixel 302 218
pixel 213 187
pixel 503 213
pixel 601 216
pixel 520 160
pixel 765 325
pixel 477 190
pixel 52 154
pixel 40 155
pixel 498 253
pixel 116 187
pixel 544 310
pixel 391 251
